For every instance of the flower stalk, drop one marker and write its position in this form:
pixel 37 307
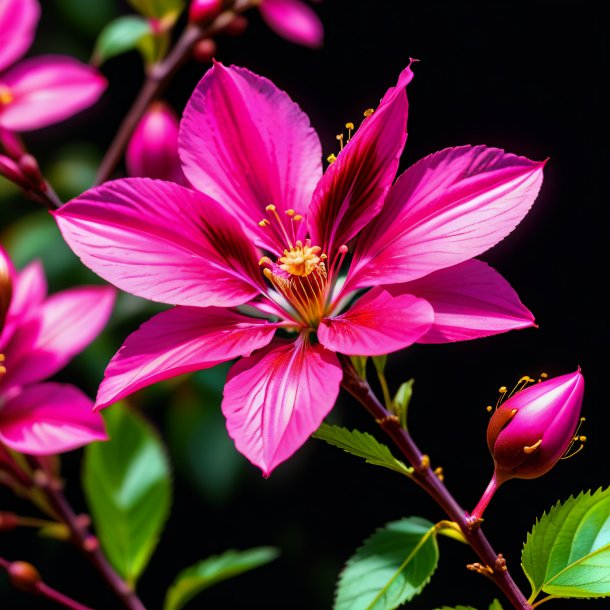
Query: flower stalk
pixel 493 564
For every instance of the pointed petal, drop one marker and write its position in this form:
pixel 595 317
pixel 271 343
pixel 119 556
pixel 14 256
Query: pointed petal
pixel 163 242
pixel 18 21
pixel 63 326
pixel 377 324
pixel 178 341
pixel 470 300
pixel 49 418
pixel 294 21
pixel 244 142
pixel 275 399
pixel 47 90
pixel 353 188
pixel 445 209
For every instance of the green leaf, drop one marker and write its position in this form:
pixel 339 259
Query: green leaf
pixel 567 553
pixel 390 568
pixel 193 580
pixel 119 36
pixel 127 483
pixel 362 445
pixel 359 363
pixel 495 605
pixel 380 362
pixel 158 9
pixel 400 404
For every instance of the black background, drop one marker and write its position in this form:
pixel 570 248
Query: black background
pixel 527 76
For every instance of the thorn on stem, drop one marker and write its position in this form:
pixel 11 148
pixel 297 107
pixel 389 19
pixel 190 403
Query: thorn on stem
pixel 479 568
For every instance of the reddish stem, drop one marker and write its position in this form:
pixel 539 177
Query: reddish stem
pixel 493 564
pixel 488 494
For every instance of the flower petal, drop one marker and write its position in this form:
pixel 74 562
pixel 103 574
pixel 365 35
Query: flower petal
pixel 276 398
pixel 49 418
pixel 63 326
pixel 163 242
pixel 445 209
pixel 18 21
pixel 353 188
pixel 47 90
pixel 178 341
pixel 470 300
pixel 244 142
pixel 294 21
pixel 377 324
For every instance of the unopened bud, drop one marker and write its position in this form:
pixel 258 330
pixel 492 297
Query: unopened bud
pixel 204 51
pixel 23 576
pixel 10 170
pixel 8 522
pixel 237 26
pixel 6 294
pixel 31 170
pixel 153 149
pixel 203 11
pixel 11 143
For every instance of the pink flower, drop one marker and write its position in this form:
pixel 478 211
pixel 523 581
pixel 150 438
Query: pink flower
pixel 153 148
pixel 38 338
pixel 42 90
pixel 294 21
pixel 272 256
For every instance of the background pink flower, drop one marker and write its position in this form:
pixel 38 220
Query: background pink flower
pixel 40 335
pixel 293 20
pixel 42 90
pixel 280 244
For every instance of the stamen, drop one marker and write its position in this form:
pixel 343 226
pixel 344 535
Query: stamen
pixel 331 158
pixel 577 438
pixel 339 137
pixel 367 113
pixel 350 127
pixel 2 367
pixel 529 450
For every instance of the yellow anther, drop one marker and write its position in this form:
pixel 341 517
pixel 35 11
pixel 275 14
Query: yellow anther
pixel 339 137
pixel 583 419
pixel 529 450
pixel 503 390
pixel 6 97
pixel 367 113
pixel 297 217
pixel 264 223
pixel 265 261
pixel 349 126
pixel 582 439
pixel 270 208
pixel 543 375
pixel 489 408
pixel 331 158
pixel 290 212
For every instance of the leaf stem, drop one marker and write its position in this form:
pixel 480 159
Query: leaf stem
pixel 544 599
pixel 158 78
pixel 82 538
pixel 432 485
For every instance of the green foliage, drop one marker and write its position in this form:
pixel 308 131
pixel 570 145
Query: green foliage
pixel 495 605
pixel 567 553
pixel 380 362
pixel 193 580
pixel 127 483
pixel 362 445
pixel 400 404
pixel 359 363
pixel 158 9
pixel 390 568
pixel 119 36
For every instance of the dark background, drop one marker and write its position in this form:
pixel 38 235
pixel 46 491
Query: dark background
pixel 527 76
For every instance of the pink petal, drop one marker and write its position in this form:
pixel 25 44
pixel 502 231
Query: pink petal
pixel 7 280
pixel 178 341
pixel 294 21
pixel 470 300
pixel 163 242
pixel 47 90
pixel 244 142
pixel 445 209
pixel 276 398
pixel 353 188
pixel 153 148
pixel 18 21
pixel 64 325
pixel 49 418
pixel 377 324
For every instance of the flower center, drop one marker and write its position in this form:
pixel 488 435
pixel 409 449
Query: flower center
pixel 301 259
pixel 6 97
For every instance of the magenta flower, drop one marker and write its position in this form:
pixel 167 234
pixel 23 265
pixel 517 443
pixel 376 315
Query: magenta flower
pixel 42 90
pixel 38 338
pixel 530 431
pixel 294 21
pixel 273 255
pixel 153 148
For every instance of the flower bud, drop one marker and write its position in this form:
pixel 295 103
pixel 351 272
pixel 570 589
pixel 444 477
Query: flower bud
pixel 153 149
pixel 8 521
pixel 203 11
pixel 204 51
pixel 23 576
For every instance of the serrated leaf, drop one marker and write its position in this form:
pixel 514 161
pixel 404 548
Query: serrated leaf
pixel 128 488
pixel 390 568
pixel 362 445
pixel 495 605
pixel 193 580
pixel 119 36
pixel 158 9
pixel 567 553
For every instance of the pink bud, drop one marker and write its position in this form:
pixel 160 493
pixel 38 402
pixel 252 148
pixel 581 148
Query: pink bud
pixel 204 51
pixel 24 576
pixel 153 149
pixel 203 11
pixel 530 432
pixel 237 26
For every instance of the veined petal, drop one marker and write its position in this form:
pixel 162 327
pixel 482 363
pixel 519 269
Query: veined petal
pixel 47 90
pixel 445 209
pixel 63 326
pixel 178 341
pixel 244 142
pixel 275 399
pixel 18 21
pixel 294 21
pixel 377 324
pixel 49 418
pixel 163 242
pixel 353 188
pixel 470 300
